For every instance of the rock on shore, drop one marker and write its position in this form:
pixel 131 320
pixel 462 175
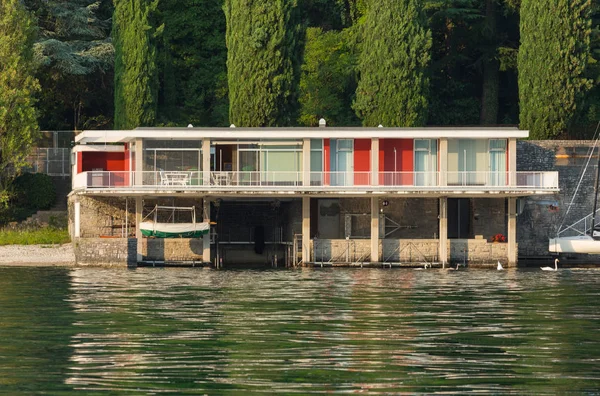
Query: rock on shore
pixel 37 255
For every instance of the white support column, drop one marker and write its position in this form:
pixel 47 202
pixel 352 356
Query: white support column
pixel 374 161
pixel 305 229
pixel 374 229
pixel 306 162
pixel 443 153
pixel 206 237
pixel 77 219
pixel 139 162
pixel 512 231
pixel 512 162
pixel 138 232
pixel 206 162
pixel 443 237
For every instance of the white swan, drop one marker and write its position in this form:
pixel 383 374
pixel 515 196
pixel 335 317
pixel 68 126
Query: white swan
pixel 550 268
pixel 500 267
pixel 427 265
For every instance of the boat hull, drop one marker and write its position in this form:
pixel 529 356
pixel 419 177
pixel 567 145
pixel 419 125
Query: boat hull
pixel 177 230
pixel 576 244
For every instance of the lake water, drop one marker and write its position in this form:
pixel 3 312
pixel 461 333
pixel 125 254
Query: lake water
pixel 198 331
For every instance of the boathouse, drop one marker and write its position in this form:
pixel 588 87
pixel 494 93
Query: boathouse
pixel 293 196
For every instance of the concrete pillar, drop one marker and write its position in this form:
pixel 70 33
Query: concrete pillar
pixel 374 161
pixel 206 162
pixel 306 162
pixel 206 238
pixel 139 162
pixel 138 232
pixel 443 153
pixel 77 219
pixel 374 230
pixel 512 162
pixel 443 237
pixel 512 231
pixel 306 229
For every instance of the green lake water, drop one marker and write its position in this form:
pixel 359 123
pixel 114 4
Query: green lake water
pixel 202 331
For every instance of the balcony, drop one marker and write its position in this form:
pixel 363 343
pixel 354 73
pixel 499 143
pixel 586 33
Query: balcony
pixel 239 182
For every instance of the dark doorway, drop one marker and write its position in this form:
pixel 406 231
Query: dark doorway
pixel 459 218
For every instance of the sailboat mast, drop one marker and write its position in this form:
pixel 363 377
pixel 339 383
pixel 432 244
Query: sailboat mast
pixel 595 195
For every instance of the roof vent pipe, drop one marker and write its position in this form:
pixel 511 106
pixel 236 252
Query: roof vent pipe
pixel 322 123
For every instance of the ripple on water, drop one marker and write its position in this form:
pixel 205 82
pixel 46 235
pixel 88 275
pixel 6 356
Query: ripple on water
pixel 381 331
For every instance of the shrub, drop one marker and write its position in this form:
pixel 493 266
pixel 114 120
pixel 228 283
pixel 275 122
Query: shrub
pixel 34 191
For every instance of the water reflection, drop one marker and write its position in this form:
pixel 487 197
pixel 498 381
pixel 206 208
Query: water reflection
pixel 379 331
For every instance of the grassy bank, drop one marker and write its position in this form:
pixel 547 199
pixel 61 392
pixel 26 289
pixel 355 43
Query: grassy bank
pixel 34 236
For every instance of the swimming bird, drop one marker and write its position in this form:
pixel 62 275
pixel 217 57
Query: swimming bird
pixel 500 267
pixel 427 265
pixel 550 268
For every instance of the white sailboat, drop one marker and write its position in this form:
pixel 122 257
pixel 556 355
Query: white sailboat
pixel 587 240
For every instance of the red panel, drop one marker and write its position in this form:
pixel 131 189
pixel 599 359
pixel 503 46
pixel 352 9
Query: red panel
pixel 327 160
pixel 106 161
pixel 362 161
pixel 79 162
pixel 394 161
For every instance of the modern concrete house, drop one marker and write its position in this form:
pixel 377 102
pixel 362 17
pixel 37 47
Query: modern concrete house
pixel 302 195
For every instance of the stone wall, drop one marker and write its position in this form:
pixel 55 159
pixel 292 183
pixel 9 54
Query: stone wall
pixel 477 251
pixel 172 249
pixel 105 252
pixel 408 250
pixel 540 220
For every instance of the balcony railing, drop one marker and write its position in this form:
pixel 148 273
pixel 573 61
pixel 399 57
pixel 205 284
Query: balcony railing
pixel 257 180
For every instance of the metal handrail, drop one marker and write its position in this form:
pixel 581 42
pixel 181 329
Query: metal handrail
pixel 183 179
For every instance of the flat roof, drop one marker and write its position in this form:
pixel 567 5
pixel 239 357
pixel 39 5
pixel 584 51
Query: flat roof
pixel 234 133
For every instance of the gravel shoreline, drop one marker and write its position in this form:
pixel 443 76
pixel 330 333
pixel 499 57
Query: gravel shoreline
pixel 37 255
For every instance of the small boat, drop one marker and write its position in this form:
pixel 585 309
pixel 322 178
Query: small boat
pixel 574 244
pixel 174 230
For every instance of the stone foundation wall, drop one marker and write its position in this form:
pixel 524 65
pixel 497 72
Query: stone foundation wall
pixel 105 252
pixel 476 251
pixel 408 250
pixel 172 249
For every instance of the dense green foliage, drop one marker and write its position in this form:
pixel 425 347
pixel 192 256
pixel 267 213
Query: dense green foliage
pixel 394 86
pixel 553 59
pixel 193 56
pixel 18 119
pixel 328 79
pixel 76 58
pixel 263 61
pixel 136 74
pixel 34 191
pixel 292 62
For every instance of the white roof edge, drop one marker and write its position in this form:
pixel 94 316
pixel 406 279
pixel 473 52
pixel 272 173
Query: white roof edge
pixel 122 136
pixel 103 148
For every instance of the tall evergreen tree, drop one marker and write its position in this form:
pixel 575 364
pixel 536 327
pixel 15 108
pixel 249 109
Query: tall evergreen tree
pixel 136 77
pixel 18 119
pixel 553 57
pixel 77 58
pixel 263 61
pixel 193 61
pixel 393 86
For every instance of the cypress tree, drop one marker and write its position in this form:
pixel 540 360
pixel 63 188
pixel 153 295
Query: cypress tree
pixel 18 118
pixel 263 62
pixel 552 60
pixel 136 77
pixel 393 85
